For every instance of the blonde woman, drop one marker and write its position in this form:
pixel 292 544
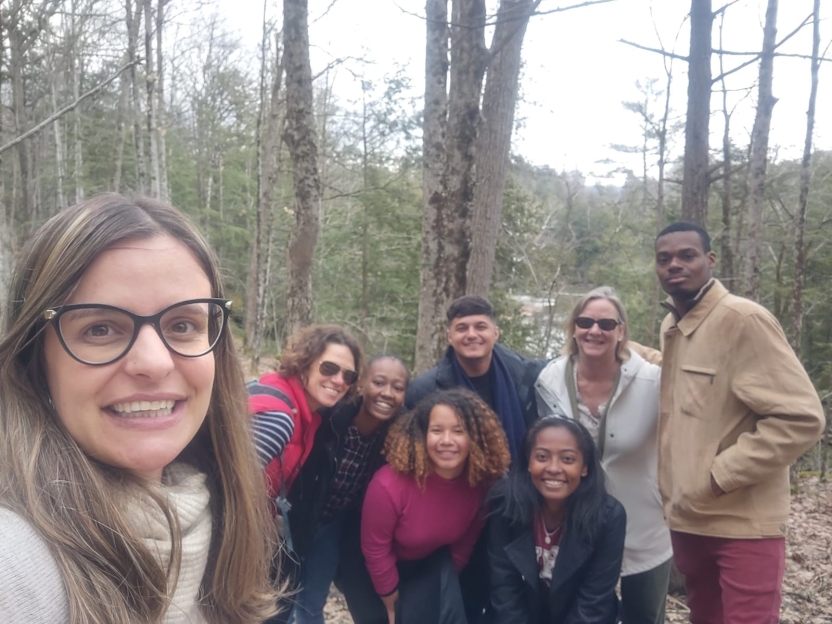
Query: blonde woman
pixel 614 393
pixel 129 487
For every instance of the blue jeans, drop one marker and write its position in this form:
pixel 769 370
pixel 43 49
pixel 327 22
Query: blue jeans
pixel 316 574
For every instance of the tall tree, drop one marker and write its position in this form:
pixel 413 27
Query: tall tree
pixel 467 137
pixel 432 298
pixel 268 159
pixel 695 167
pixel 494 141
pixel 803 199
pixel 759 153
pixel 150 83
pixel 299 136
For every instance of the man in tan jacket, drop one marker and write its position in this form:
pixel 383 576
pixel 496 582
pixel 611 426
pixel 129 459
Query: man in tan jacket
pixel 737 408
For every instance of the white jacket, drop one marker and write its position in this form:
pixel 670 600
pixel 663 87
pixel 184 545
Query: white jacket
pixel 630 454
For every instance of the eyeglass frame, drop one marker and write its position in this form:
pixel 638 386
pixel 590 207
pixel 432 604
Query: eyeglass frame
pixel 597 322
pixel 53 315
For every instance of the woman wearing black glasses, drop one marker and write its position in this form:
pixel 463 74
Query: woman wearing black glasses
pixel 614 393
pixel 129 487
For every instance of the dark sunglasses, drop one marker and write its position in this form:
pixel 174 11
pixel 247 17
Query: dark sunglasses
pixel 330 369
pixel 584 322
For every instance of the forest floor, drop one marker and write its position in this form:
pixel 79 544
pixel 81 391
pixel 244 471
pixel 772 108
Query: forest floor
pixel 807 587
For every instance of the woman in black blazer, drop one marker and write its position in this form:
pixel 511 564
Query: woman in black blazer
pixel 556 536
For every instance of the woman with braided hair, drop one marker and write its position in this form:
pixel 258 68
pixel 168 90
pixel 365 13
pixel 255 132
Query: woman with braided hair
pixel 423 511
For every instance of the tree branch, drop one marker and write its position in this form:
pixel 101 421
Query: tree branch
pixel 656 50
pixel 758 55
pixel 68 108
pixel 573 6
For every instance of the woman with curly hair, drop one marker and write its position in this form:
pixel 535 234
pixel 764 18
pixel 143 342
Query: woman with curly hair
pixel 556 538
pixel 129 487
pixel 318 368
pixel 422 512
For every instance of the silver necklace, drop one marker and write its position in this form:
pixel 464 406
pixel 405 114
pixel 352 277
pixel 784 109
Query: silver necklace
pixel 548 536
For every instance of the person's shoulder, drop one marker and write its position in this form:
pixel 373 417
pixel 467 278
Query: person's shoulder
pixel 420 387
pixel 513 359
pixel 614 510
pixel 31 588
pixel 744 307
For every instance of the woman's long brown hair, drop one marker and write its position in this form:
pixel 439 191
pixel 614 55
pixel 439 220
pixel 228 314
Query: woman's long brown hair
pixel 71 500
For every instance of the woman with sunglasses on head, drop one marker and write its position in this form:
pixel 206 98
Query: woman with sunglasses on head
pixel 326 495
pixel 129 486
pixel 422 513
pixel 614 393
pixel 555 536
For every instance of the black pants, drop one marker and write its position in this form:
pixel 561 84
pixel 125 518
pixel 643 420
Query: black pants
pixel 352 578
pixel 475 582
pixel 429 591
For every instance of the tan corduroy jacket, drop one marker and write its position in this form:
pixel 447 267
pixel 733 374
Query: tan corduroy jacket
pixel 737 404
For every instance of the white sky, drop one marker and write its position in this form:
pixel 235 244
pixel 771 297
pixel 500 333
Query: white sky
pixel 577 74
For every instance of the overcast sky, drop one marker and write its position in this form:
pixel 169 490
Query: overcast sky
pixel 576 72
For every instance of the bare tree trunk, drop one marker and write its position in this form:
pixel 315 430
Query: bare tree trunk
pixel 132 21
pixel 121 132
pixel 469 58
pixel 726 259
pixel 803 199
pixel 660 201
pixel 299 136
pixel 76 68
pixel 56 125
pixel 150 81
pixel 6 253
pixel 695 167
pixel 759 155
pixel 19 115
pixel 452 202
pixel 161 121
pixel 492 155
pixel 432 301
pixel 365 217
pixel 262 214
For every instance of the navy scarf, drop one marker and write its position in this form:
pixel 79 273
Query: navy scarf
pixel 506 402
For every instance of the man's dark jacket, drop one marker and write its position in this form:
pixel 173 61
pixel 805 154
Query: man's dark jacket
pixel 523 372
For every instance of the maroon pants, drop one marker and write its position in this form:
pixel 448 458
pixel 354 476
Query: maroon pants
pixel 731 581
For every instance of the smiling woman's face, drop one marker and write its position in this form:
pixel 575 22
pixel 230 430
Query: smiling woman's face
pixel 139 412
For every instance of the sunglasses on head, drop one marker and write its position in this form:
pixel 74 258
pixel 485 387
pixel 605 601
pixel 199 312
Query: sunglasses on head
pixel 584 322
pixel 330 369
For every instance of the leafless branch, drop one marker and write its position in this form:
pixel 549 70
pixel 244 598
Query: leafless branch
pixel 758 55
pixel 656 50
pixel 573 6
pixel 68 108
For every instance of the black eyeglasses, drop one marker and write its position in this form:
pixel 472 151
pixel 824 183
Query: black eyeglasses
pixel 98 334
pixel 330 369
pixel 607 324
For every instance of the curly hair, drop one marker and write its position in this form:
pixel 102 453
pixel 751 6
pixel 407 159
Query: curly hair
pixel 488 455
pixel 308 344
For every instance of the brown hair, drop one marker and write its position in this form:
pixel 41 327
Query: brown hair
pixel 622 352
pixel 488 458
pixel 308 344
pixel 109 575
